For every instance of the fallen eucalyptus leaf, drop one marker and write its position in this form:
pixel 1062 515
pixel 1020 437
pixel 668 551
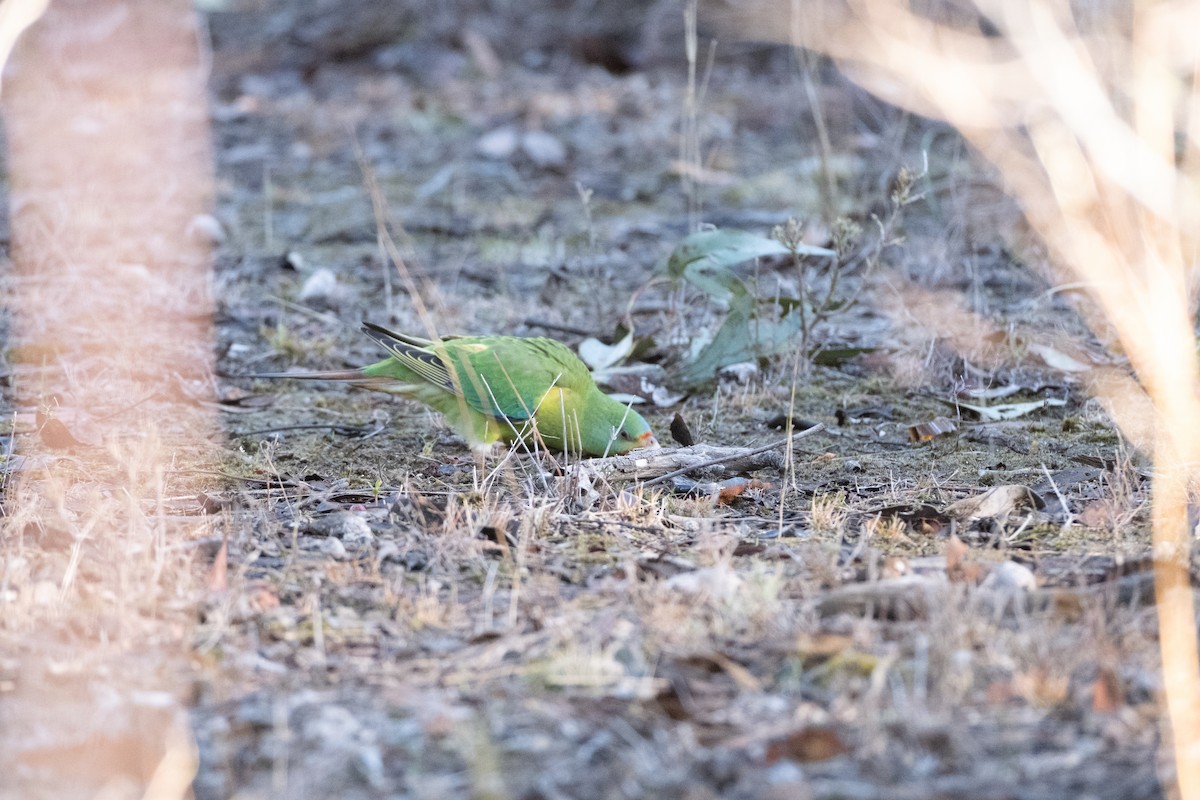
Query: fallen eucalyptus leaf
pixel 660 395
pixel 1006 411
pixel 600 356
pixel 992 393
pixel 725 248
pixel 626 399
pixel 997 503
pixel 749 332
pixel 1056 359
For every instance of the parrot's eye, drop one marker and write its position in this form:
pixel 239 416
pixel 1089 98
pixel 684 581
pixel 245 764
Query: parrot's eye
pixel 624 436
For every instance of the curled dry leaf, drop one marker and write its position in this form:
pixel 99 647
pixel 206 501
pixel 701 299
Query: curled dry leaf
pixel 743 677
pixel 661 396
pixel 600 356
pixel 57 436
pixel 918 517
pixel 580 485
pixel 820 646
pixel 719 582
pixel 1042 687
pixel 961 567
pixel 627 399
pixel 740 373
pixel 680 431
pixel 1057 359
pixel 638 383
pixel 205 228
pixel 1006 411
pixel 816 743
pixel 1107 695
pixel 924 431
pixel 998 503
pixel 992 392
pixel 64 427
pixel 733 488
pixel 260 597
pixel 721 493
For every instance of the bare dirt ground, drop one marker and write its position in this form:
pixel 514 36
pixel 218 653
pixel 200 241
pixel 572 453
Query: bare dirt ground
pixel 398 620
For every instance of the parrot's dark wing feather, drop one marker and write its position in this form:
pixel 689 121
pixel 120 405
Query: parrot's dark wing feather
pixel 411 352
pixel 432 362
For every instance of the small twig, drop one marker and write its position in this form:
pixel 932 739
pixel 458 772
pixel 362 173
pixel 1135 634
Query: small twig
pixel 129 408
pixel 265 482
pixel 1070 518
pixel 532 322
pixel 328 319
pixel 740 454
pixel 348 430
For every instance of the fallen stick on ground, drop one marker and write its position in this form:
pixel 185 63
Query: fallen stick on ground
pixel 658 466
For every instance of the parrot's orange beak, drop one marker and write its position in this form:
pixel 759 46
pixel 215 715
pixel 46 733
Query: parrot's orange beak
pixel 647 440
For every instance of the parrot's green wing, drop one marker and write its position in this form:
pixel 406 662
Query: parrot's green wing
pixel 503 377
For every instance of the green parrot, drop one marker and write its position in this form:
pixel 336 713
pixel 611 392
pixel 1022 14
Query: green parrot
pixel 501 388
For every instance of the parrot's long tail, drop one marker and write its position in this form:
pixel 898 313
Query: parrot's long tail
pixel 354 376
pixel 327 375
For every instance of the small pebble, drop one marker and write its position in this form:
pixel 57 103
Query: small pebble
pixel 544 149
pixel 333 548
pixel 1009 577
pixel 321 285
pixel 205 228
pixel 499 144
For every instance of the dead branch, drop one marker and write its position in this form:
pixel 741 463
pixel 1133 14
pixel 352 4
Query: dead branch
pixel 708 461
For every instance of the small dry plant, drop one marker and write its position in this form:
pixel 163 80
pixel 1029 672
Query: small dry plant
pixel 828 513
pixel 817 303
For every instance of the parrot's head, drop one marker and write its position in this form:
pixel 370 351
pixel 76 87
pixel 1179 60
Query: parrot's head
pixel 595 424
pixel 627 430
